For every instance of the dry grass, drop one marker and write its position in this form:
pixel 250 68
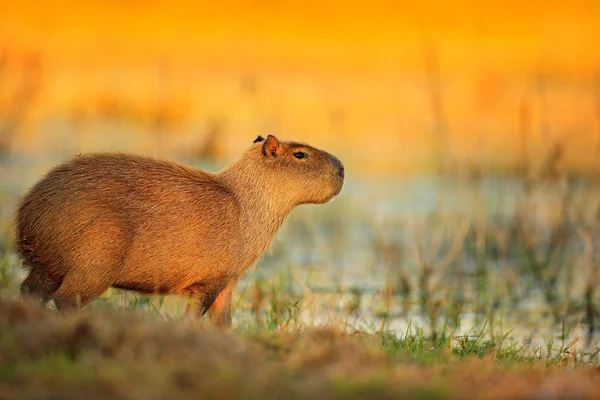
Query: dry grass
pixel 127 355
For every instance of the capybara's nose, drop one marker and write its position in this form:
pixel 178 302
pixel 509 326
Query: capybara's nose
pixel 340 167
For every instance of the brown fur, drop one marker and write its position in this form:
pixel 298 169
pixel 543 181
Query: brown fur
pixel 153 226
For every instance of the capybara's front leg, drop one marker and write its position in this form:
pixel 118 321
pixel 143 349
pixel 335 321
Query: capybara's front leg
pixel 201 298
pixel 220 310
pixel 216 302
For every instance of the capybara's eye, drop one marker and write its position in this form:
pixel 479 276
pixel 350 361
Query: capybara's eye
pixel 300 155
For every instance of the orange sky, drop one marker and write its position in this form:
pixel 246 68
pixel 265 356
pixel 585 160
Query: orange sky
pixel 141 28
pixel 363 58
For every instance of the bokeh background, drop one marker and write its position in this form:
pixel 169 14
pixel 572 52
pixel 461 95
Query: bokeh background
pixel 470 131
pixel 381 83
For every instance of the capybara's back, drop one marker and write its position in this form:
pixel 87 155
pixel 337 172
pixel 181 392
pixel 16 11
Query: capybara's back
pixel 154 226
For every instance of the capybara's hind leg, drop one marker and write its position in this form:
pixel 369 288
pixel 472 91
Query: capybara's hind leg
pixel 40 286
pixel 77 290
pixel 93 264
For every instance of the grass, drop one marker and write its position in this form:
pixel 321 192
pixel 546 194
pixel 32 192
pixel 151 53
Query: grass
pixel 123 354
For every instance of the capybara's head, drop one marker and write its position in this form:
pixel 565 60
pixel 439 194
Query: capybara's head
pixel 300 173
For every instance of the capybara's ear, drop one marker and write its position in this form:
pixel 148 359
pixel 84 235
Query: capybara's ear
pixel 271 146
pixel 259 139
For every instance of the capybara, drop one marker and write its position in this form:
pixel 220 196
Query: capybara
pixel 154 226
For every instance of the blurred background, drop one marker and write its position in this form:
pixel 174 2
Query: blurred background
pixel 470 131
pixel 382 83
